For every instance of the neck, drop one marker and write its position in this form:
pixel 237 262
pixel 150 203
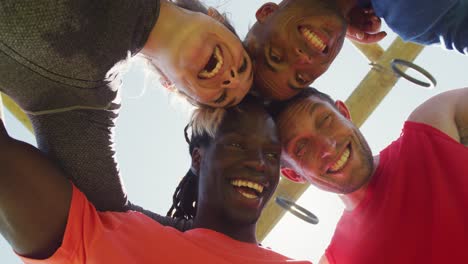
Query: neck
pixel 171 19
pixel 352 200
pixel 237 231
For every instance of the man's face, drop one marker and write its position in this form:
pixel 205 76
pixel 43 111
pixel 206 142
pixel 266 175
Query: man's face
pixel 322 144
pixel 239 169
pixel 293 44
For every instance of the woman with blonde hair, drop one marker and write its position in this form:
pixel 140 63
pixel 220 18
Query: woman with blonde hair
pixel 59 61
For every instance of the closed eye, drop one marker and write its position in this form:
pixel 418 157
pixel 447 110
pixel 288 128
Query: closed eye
pixel 326 120
pixel 221 98
pixel 243 67
pixel 275 56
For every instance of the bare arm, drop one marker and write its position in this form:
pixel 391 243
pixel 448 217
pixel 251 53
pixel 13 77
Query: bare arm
pixel 323 260
pixel 34 199
pixel 447 112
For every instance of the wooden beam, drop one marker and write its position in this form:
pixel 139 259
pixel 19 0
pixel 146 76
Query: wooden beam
pixel 362 102
pixel 2 117
pixel 380 80
pixel 372 52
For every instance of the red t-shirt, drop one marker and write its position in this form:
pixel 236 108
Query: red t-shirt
pixel 416 206
pixel 131 237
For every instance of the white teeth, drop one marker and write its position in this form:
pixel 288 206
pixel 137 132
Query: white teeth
pixel 248 195
pixel 341 162
pixel 313 39
pixel 219 58
pixel 249 184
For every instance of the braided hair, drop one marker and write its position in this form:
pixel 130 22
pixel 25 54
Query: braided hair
pixel 184 200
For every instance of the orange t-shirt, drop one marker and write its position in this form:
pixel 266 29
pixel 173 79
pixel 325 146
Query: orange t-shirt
pixel 131 237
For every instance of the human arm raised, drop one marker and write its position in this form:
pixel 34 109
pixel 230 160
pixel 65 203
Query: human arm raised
pixel 34 199
pixel 447 112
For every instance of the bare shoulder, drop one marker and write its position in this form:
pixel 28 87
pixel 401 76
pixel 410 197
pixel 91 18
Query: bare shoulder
pixel 447 112
pixel 323 260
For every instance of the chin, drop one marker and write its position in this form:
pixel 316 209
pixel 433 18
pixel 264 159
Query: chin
pixel 243 218
pixel 270 94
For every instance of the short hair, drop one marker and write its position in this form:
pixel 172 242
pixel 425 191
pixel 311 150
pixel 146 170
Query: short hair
pixel 278 107
pixel 184 200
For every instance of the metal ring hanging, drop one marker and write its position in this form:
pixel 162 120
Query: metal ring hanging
pixel 397 62
pixel 297 210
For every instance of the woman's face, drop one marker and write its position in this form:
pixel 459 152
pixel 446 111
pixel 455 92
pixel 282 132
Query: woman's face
pixel 208 63
pixel 239 169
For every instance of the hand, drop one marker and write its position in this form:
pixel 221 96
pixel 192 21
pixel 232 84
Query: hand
pixel 364 25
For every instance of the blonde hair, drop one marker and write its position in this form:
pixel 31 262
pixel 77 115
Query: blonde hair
pixel 206 120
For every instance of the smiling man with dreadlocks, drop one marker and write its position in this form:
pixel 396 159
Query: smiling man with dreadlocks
pixel 234 172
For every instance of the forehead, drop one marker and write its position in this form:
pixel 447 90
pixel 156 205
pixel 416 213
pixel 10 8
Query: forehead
pixel 304 106
pixel 295 114
pixel 249 122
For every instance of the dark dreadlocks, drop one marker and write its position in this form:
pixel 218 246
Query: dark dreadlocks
pixel 184 200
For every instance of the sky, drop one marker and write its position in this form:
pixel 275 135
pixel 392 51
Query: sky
pixel 153 155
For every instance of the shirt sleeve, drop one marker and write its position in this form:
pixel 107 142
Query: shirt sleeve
pixel 451 30
pixel 443 22
pixel 81 219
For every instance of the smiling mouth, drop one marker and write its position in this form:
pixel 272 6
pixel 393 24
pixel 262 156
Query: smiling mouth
pixel 313 39
pixel 248 189
pixel 341 162
pixel 213 66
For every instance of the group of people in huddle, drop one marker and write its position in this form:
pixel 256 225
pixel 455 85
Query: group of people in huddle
pixel 255 115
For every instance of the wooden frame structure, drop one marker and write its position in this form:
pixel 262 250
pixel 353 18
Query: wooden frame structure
pixel 372 89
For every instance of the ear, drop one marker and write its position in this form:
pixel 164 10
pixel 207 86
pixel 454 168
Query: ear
pixel 265 11
pixel 196 160
pixel 213 13
pixel 165 82
pixel 341 106
pixel 292 175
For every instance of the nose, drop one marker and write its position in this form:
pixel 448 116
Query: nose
pixel 302 57
pixel 231 79
pixel 256 161
pixel 256 165
pixel 328 146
